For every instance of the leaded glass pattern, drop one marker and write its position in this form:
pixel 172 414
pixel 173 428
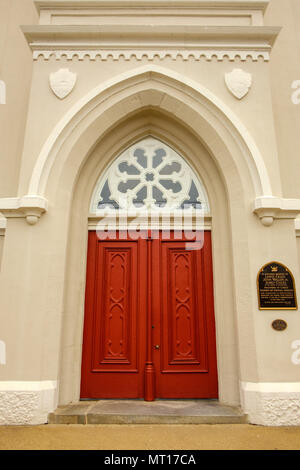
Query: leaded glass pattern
pixel 150 175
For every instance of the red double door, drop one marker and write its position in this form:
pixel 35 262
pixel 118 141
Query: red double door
pixel 149 327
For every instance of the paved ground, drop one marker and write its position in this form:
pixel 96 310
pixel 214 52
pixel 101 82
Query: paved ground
pixel 153 437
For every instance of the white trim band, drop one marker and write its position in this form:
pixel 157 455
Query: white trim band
pixel 25 386
pixel 271 387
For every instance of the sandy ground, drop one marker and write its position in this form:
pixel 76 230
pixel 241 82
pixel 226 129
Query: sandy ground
pixel 149 437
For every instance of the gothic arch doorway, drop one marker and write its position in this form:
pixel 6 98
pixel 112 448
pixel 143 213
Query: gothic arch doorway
pixel 149 329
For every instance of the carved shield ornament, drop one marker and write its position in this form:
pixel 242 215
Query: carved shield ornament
pixel 238 82
pixel 62 82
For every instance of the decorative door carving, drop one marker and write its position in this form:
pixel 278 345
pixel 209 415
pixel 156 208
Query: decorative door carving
pixel 183 311
pixel 149 320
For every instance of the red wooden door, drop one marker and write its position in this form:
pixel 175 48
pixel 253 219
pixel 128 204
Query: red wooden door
pixel 183 320
pixel 149 307
pixel 113 346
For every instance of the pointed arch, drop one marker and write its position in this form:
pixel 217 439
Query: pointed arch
pixel 149 174
pixel 220 122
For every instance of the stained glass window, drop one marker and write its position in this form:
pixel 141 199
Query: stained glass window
pixel 152 175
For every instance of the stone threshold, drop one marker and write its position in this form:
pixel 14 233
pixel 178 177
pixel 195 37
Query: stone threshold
pixel 142 412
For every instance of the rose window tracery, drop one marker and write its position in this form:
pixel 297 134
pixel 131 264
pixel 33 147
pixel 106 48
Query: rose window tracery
pixel 151 175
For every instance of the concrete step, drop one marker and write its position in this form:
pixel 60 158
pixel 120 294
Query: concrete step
pixel 142 412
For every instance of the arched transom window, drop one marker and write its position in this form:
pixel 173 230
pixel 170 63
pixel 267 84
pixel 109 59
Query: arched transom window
pixel 149 175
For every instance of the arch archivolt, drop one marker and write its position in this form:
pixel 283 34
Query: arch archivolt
pixel 153 87
pixel 167 128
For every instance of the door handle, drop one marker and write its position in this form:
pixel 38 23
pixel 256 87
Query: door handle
pixel 156 346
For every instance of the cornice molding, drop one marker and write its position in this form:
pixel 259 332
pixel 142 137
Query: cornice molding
pixel 151 55
pixel 30 207
pixel 270 208
pixel 151 40
pixel 98 4
pixel 98 34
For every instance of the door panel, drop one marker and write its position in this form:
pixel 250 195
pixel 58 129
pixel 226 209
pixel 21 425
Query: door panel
pixel 176 319
pixel 113 353
pixel 114 338
pixel 184 326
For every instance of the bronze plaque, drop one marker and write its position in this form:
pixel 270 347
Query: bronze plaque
pixel 279 325
pixel 276 288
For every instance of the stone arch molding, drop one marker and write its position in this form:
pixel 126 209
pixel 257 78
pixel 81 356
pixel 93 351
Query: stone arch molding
pixel 220 122
pixel 163 76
